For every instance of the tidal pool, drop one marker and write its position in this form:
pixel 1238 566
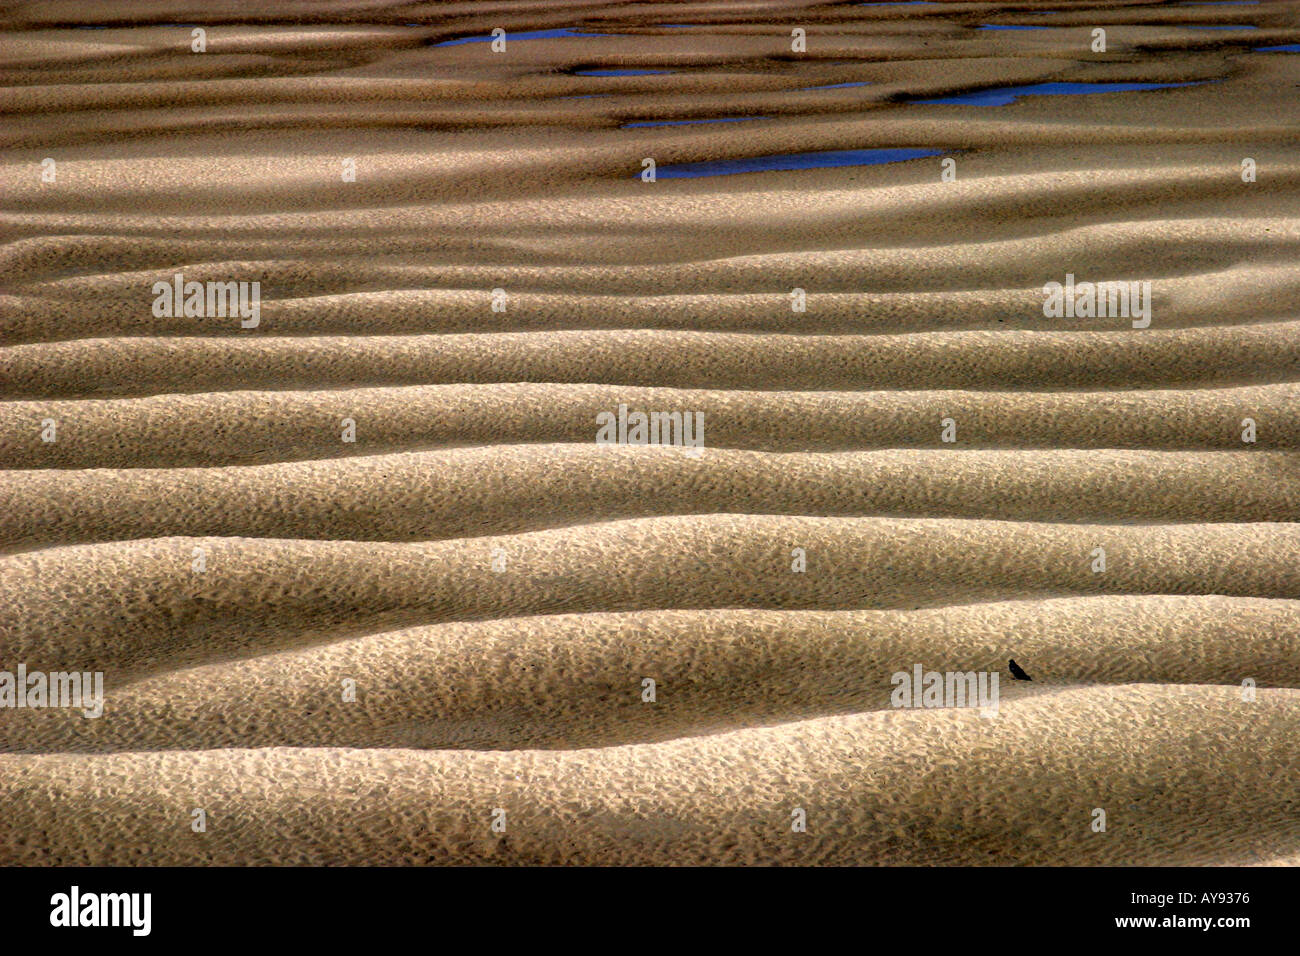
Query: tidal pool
pixel 1009 94
pixel 786 161
pixel 525 35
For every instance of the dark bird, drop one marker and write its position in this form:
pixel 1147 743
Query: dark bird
pixel 1016 672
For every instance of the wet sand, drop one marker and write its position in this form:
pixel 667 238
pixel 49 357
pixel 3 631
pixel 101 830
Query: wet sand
pixel 207 531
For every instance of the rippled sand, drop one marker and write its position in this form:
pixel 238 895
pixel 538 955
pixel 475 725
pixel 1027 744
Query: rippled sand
pixel 498 585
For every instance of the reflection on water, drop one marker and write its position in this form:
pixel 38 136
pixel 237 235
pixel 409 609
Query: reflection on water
pixel 786 161
pixel 1003 95
pixel 527 35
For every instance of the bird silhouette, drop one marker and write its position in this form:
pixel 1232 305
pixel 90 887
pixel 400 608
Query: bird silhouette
pixel 1017 672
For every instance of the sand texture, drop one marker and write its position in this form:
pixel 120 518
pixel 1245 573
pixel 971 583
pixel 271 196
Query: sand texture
pixel 364 588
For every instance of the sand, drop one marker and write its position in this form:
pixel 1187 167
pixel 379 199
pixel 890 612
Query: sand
pixel 363 586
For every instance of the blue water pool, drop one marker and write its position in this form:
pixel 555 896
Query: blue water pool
pixel 788 161
pixel 1008 94
pixel 529 35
